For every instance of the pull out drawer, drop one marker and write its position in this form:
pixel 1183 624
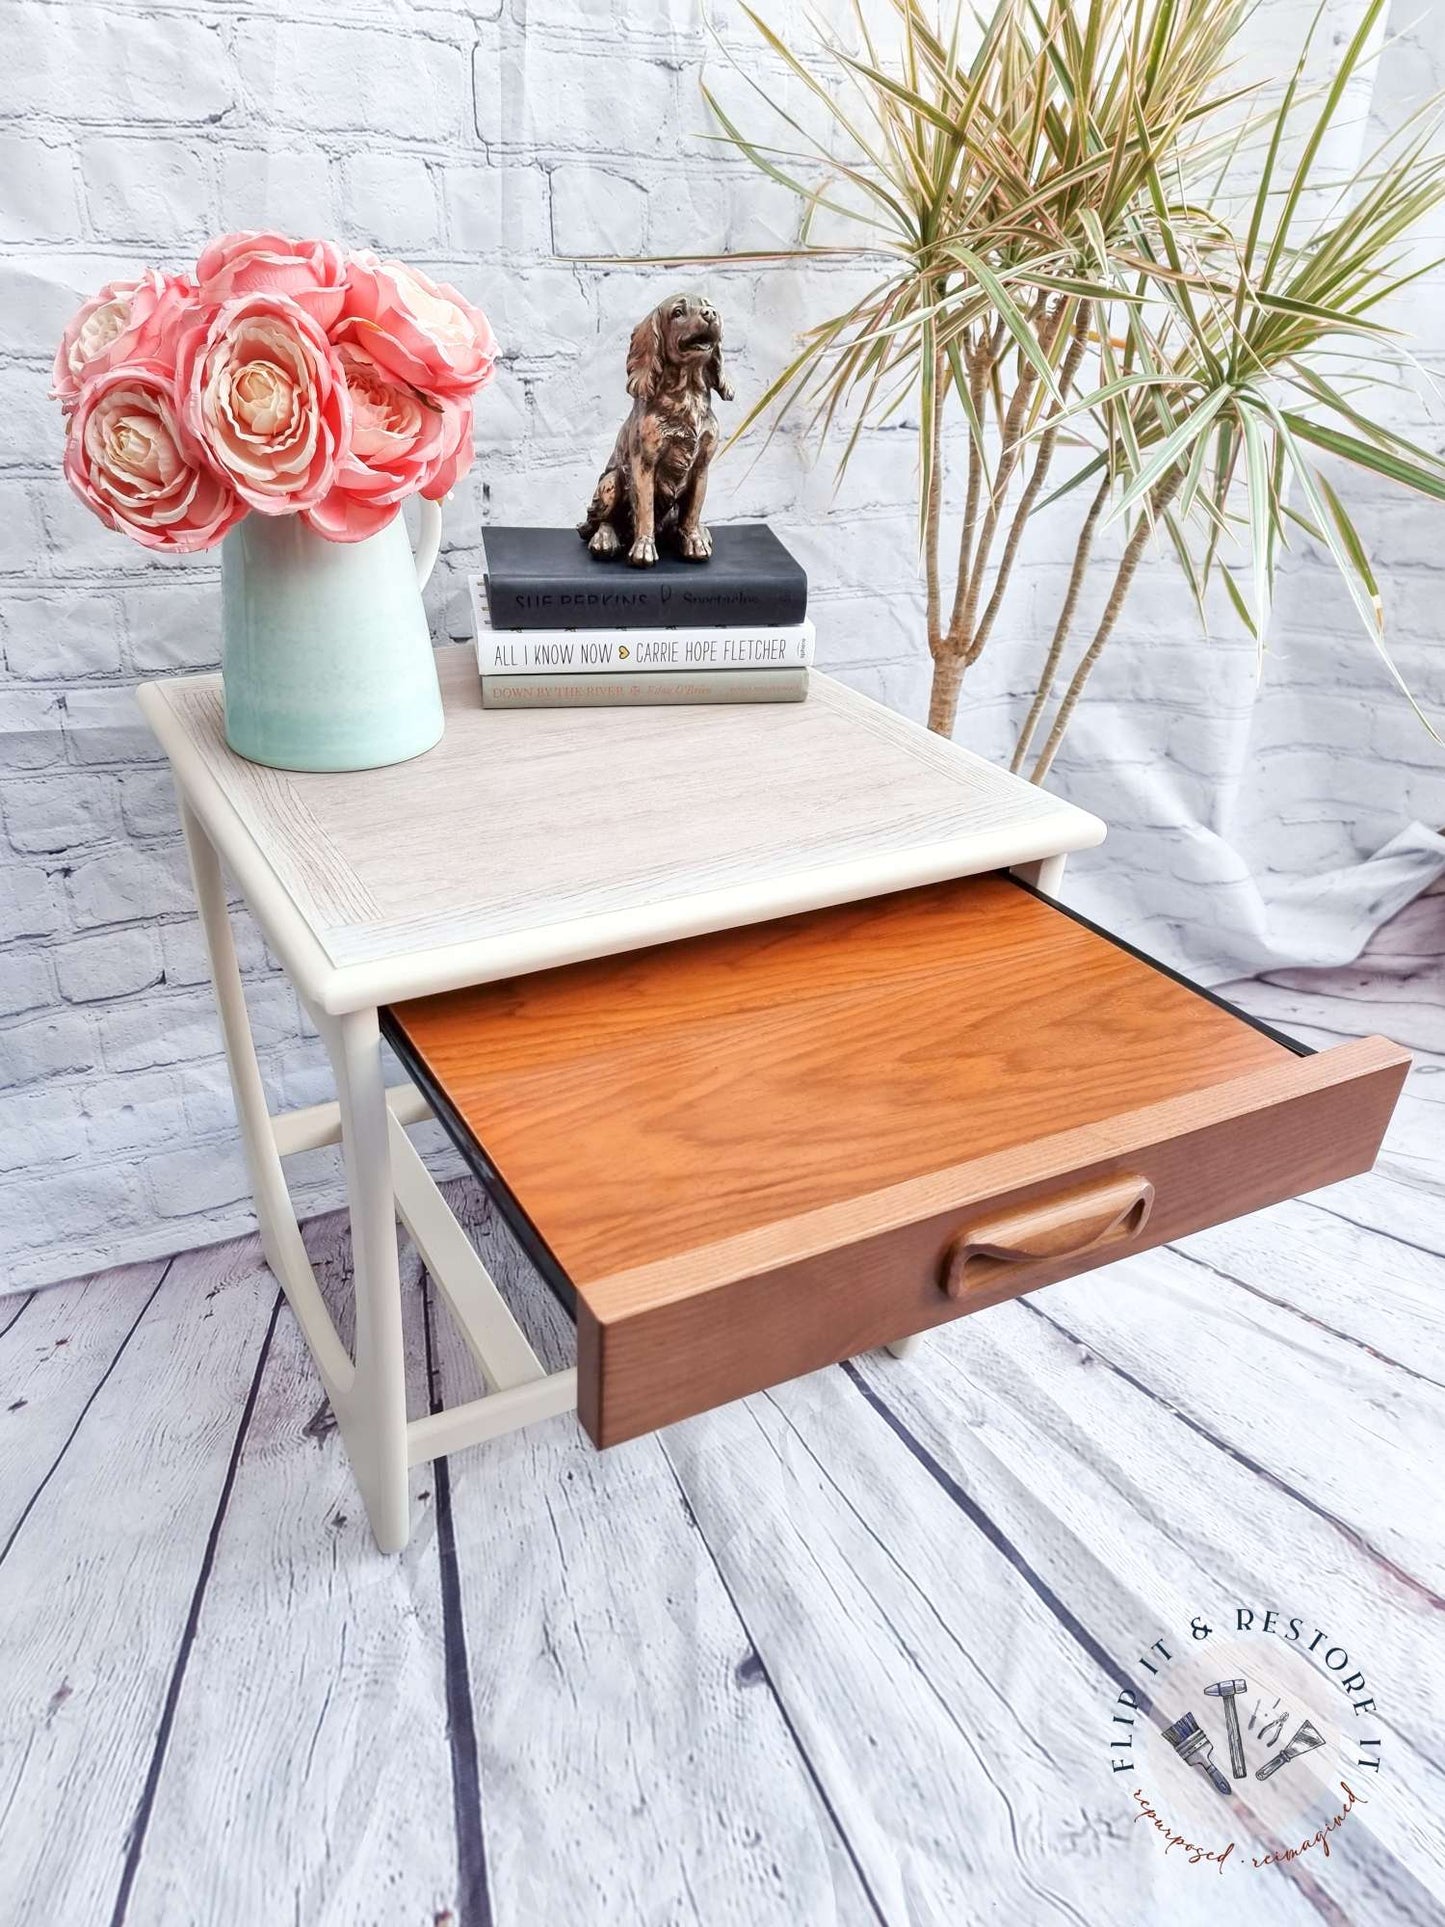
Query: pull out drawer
pixel 751 1154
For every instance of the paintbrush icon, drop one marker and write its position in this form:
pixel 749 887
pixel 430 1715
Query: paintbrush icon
pixel 1195 1748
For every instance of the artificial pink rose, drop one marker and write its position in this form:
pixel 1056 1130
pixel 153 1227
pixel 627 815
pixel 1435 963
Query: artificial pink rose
pixel 265 396
pixel 421 330
pixel 402 443
pixel 455 457
pixel 129 457
pixel 127 321
pixel 312 273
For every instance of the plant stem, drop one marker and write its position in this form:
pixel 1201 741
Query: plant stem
pixel 1159 500
pixel 934 510
pixel 966 601
pixel 943 694
pixel 977 386
pixel 1025 507
pixel 1082 553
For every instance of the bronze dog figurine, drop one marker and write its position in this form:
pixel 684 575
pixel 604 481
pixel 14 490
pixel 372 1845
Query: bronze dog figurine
pixel 656 478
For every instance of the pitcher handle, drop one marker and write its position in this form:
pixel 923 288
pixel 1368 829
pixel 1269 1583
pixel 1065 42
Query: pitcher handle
pixel 428 539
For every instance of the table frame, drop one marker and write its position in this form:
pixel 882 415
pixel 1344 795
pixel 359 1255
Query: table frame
pixel 385 1178
pixel 386 1181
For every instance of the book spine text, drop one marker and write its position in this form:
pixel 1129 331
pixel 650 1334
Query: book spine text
pixel 625 692
pixel 632 650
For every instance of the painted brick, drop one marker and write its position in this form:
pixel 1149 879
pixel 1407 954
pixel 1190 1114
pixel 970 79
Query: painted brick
pixel 313 75
pixel 146 1110
pixel 596 210
pixel 25 983
pixel 391 202
pixel 30 729
pixel 540 97
pixel 145 880
pixel 39 1128
pixel 33 432
pixel 200 1178
pixel 118 964
pixel 288 186
pixel 60 637
pixel 21 528
pixel 41 202
pixel 90 1200
pixel 106 726
pixel 148 802
pixel 37 298
pixel 139 188
pixel 49 815
pixel 175 625
pixel 43 1047
pixel 496 210
pixel 31 904
pixel 118 63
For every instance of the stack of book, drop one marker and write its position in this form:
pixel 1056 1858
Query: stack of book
pixel 556 628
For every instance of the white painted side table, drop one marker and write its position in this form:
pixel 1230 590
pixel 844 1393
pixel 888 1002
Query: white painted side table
pixel 529 839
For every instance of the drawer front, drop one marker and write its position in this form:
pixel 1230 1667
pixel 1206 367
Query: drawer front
pixel 666 1341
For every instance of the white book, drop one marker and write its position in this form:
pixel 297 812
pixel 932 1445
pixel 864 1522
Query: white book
pixel 605 651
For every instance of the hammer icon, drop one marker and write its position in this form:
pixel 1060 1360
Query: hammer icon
pixel 1225 1689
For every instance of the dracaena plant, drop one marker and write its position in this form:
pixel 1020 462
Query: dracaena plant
pixel 1060 260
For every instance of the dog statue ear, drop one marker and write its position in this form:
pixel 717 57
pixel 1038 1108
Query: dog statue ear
pixel 644 357
pixel 716 379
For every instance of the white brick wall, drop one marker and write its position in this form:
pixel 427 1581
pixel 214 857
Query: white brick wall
pixel 489 143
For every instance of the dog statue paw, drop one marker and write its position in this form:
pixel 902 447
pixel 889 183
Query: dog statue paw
pixel 657 475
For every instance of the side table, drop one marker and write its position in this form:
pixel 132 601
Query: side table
pixel 528 842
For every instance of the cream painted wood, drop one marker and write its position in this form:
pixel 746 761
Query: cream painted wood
pixel 320 1124
pixel 280 1234
pixel 502 1353
pixel 538 837
pixel 368 1392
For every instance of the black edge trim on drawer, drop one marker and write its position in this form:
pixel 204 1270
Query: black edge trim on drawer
pixel 483 1170
pixel 1178 977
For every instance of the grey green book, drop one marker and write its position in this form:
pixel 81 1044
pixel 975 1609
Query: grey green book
pixel 613 689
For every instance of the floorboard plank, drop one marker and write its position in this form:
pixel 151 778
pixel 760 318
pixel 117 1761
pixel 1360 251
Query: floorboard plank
pixel 11 1306
pixel 51 1362
pixel 1384 1296
pixel 959 1724
pixel 614 1684
pixel 306 1776
pixel 96 1591
pixel 1138 1525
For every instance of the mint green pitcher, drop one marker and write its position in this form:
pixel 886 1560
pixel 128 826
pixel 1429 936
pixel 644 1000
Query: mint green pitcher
pixel 325 652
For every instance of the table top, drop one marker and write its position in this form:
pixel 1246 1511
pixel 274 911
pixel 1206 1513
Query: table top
pixel 530 838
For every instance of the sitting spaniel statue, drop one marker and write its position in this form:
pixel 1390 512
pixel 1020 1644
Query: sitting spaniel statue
pixel 656 479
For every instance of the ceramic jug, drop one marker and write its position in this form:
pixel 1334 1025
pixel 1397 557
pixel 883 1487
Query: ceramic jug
pixel 325 652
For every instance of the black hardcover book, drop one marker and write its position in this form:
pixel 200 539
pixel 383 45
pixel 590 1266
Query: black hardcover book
pixel 545 579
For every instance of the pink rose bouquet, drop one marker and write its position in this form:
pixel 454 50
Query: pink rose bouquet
pixel 281 377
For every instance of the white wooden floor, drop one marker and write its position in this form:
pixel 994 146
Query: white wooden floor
pixel 843 1653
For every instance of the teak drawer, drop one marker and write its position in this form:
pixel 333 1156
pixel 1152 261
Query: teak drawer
pixel 752 1154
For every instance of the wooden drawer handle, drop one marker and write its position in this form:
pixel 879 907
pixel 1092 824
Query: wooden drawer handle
pixel 1111 1211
